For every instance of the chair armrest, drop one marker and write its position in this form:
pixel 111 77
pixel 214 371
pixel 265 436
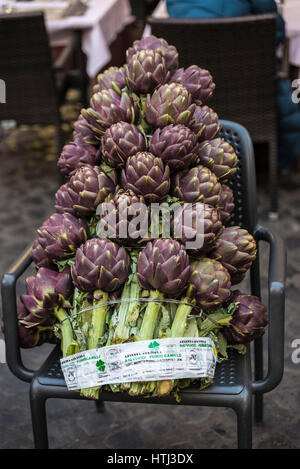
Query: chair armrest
pixel 60 63
pixel 276 284
pixel 9 308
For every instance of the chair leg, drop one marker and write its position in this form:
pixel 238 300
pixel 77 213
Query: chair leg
pixel 258 344
pixel 273 181
pixel 258 398
pixel 39 419
pixel 100 406
pixel 244 422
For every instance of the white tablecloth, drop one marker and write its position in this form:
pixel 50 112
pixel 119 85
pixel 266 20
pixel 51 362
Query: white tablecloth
pixel 100 25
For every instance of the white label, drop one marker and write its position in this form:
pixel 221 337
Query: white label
pixel 147 360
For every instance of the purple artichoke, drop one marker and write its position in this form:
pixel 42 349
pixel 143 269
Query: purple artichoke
pixel 170 104
pixel 89 187
pixel 163 265
pixel 248 321
pixel 47 298
pixel 220 157
pixel 39 256
pixel 32 335
pixel 75 155
pixel 60 236
pixel 107 108
pixel 226 204
pixel 176 145
pixel 63 202
pixel 32 320
pixel 206 123
pixel 117 221
pixel 45 291
pixel 197 81
pixel 145 71
pixel 147 175
pixel 100 264
pixel 197 184
pixel 112 78
pixel 169 53
pixel 119 142
pixel 83 133
pixel 199 224
pixel 211 282
pixel 236 250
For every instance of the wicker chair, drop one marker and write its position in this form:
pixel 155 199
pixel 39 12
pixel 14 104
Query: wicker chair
pixel 34 87
pixel 240 53
pixel 233 384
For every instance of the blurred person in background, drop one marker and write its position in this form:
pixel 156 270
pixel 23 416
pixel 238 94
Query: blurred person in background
pixel 288 111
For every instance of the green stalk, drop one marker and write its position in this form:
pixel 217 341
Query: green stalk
pixel 97 328
pixel 66 330
pixel 96 331
pixel 128 311
pixel 192 329
pixel 134 306
pixel 182 313
pixel 178 329
pixel 122 330
pixel 146 332
pixel 150 316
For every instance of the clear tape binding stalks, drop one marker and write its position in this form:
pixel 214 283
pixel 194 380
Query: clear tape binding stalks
pixel 144 300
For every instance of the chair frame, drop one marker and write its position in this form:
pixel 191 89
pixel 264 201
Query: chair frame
pixel 234 385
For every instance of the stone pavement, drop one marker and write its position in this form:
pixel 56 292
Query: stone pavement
pixel 27 189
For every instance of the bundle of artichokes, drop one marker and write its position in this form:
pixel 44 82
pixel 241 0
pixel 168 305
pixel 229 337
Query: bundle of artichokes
pixel 148 137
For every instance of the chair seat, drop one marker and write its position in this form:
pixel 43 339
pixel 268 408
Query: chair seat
pixel 230 379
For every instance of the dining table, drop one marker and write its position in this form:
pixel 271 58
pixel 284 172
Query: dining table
pixel 99 22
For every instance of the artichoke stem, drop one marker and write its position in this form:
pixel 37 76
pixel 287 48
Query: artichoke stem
pixel 90 393
pixel 150 317
pixel 179 323
pixel 122 330
pixel 98 320
pixel 86 315
pixel 134 306
pixel 146 333
pixel 178 329
pixel 164 387
pixel 192 329
pixel 66 329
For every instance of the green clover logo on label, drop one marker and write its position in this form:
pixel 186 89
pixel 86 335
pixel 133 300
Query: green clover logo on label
pixel 100 365
pixel 153 344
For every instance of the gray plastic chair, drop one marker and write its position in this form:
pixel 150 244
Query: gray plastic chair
pixel 233 384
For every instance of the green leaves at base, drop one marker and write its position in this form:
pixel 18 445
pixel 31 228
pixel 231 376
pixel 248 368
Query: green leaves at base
pixel 66 262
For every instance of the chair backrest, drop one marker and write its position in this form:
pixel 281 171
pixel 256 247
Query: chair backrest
pixel 240 52
pixel 139 9
pixel 26 68
pixel 243 184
